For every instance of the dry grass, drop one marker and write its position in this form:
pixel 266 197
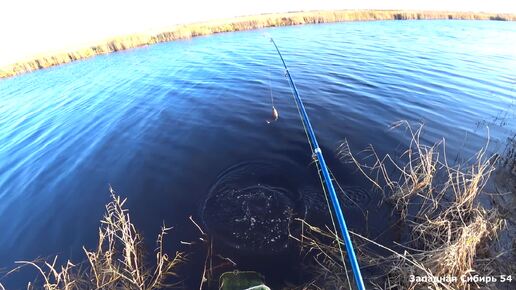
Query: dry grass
pixel 450 233
pixel 236 24
pixel 118 262
pixel 415 170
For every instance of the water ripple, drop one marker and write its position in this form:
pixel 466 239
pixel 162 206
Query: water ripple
pixel 159 123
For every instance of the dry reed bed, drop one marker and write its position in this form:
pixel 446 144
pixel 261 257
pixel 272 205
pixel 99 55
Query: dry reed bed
pixel 449 233
pixel 118 262
pixel 236 24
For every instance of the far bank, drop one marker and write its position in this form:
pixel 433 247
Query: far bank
pixel 186 31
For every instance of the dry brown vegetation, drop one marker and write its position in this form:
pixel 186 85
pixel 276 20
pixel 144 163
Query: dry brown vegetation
pixel 118 262
pixel 236 24
pixel 449 233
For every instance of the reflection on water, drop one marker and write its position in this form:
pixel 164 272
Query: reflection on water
pixel 161 123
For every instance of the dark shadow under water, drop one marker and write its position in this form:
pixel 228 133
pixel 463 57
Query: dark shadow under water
pixel 160 124
pixel 251 210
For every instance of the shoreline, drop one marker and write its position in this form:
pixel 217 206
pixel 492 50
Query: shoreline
pixel 242 23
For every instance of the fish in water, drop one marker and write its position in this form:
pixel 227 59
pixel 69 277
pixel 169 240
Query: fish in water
pixel 275 116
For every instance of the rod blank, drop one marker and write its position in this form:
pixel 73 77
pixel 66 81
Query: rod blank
pixel 317 152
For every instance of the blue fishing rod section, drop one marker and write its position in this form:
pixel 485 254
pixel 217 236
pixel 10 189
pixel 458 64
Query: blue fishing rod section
pixel 328 182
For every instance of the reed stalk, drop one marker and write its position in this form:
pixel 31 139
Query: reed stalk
pixel 451 234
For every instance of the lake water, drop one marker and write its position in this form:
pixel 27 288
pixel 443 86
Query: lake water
pixel 160 123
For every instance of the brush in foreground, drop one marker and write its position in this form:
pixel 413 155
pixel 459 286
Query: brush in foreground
pixel 118 262
pixel 451 236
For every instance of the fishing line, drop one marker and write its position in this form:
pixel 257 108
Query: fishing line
pixel 325 194
pixel 345 192
pixel 322 186
pixel 270 86
pixel 341 252
pixel 323 170
pixel 275 114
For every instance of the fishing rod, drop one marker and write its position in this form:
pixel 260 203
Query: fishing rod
pixel 317 153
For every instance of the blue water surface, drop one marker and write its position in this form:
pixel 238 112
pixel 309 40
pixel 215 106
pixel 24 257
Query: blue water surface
pixel 159 123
